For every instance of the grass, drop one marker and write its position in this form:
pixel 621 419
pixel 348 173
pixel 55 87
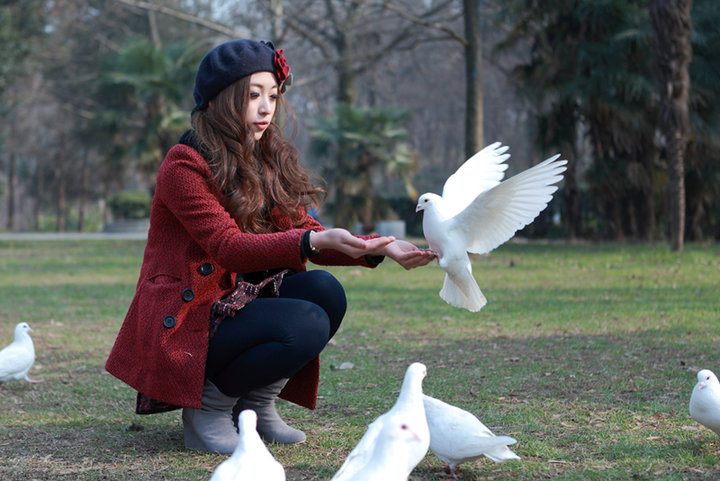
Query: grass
pixel 585 353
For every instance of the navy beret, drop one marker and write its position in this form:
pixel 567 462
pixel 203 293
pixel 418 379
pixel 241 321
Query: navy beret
pixel 233 60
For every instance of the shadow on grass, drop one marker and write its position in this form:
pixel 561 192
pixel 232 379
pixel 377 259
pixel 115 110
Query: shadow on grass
pixel 90 451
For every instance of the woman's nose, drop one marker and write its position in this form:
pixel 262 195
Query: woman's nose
pixel 265 105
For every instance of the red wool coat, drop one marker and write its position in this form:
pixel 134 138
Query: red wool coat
pixel 193 252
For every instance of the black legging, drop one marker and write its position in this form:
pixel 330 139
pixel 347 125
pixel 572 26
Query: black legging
pixel 274 337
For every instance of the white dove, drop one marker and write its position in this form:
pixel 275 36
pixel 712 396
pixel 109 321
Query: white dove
pixel 17 358
pixel 388 460
pixel 705 401
pixel 251 460
pixel 457 436
pixel 477 212
pixel 409 407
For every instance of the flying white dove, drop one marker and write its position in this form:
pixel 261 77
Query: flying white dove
pixel 477 212
pixel 457 436
pixel 17 358
pixel 409 408
pixel 251 460
pixel 705 401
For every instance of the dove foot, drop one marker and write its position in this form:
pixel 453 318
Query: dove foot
pixel 450 471
pixel 35 381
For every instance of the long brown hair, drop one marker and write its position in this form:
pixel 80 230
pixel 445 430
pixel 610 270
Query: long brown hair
pixel 255 176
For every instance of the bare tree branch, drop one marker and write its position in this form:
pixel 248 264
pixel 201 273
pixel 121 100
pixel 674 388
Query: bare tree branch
pixel 208 24
pixel 417 20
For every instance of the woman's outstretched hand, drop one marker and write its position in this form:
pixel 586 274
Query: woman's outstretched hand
pixel 343 241
pixel 403 252
pixel 407 254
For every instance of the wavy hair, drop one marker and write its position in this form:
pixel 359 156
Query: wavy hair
pixel 257 177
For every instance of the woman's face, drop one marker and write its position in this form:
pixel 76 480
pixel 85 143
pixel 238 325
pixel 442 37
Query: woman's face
pixel 262 102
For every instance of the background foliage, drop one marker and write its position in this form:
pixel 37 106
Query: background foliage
pixel 95 91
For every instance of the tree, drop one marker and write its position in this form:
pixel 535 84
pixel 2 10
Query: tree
pixel 143 99
pixel 672 25
pixel 473 78
pixel 376 149
pixel 592 87
pixel 21 31
pixel 702 171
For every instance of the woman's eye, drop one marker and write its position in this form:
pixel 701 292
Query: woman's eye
pixel 254 95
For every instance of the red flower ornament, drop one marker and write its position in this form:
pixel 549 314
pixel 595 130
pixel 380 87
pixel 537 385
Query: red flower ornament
pixel 282 69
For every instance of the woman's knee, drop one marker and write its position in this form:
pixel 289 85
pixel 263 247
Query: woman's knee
pixel 313 331
pixel 321 288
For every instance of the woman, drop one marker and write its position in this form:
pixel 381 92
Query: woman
pixel 225 315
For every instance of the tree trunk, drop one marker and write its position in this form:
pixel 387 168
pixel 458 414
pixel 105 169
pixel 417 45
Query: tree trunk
pixel 473 75
pixel 12 159
pixel 672 25
pixel 11 191
pixel 346 95
pixel 276 25
pixel 571 194
pixel 60 203
pixel 84 190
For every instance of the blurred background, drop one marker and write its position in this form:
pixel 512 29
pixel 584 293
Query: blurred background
pixel 390 97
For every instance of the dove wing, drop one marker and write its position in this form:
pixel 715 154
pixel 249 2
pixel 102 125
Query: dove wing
pixel 495 215
pixel 13 360
pixel 479 173
pixel 361 453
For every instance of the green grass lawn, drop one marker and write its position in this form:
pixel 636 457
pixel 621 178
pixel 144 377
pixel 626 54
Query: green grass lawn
pixel 586 354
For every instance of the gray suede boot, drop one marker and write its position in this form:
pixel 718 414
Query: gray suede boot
pixel 211 428
pixel 270 426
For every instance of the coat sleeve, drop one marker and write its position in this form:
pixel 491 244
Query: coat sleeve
pixel 183 186
pixel 330 257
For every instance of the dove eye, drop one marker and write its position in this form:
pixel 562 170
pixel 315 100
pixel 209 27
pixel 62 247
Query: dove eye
pixel 403 427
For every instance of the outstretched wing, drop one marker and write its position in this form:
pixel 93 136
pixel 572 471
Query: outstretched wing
pixel 481 172
pixel 495 215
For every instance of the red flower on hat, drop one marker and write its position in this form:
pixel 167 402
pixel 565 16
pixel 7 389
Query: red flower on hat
pixel 282 69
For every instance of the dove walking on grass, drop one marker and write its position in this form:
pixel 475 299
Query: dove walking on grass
pixel 410 410
pixel 17 358
pixel 251 460
pixel 388 460
pixel 457 436
pixel 477 212
pixel 705 401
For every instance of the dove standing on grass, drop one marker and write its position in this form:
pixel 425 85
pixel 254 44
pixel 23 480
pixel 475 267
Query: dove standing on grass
pixel 705 401
pixel 477 212
pixel 17 358
pixel 389 457
pixel 251 460
pixel 409 409
pixel 457 436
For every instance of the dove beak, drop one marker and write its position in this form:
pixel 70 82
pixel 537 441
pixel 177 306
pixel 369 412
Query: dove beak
pixel 418 208
pixel 701 386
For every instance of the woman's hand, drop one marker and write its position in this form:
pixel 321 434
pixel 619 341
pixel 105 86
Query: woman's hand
pixel 407 254
pixel 343 241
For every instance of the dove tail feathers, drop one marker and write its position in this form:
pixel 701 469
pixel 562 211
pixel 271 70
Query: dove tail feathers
pixel 470 298
pixel 501 454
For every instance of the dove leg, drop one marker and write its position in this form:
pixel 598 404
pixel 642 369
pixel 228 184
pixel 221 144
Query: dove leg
pixel 270 426
pixel 211 428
